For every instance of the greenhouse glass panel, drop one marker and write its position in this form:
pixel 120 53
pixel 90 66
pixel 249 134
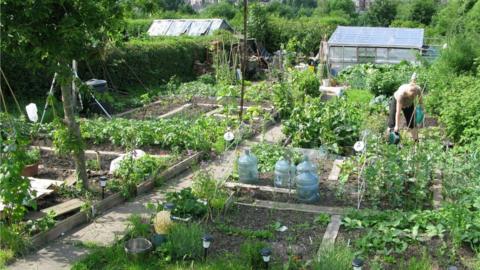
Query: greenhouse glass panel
pixel 336 53
pixel 350 54
pixel 397 55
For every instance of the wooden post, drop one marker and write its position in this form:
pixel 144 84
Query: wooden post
pixel 244 58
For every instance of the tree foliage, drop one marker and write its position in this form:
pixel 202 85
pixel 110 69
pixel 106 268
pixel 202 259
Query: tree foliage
pixel 382 12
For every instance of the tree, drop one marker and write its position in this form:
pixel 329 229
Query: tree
pixel 258 23
pixel 53 33
pixel 382 12
pixel 423 10
pixel 341 5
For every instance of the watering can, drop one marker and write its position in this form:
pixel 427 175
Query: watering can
pixel 419 115
pixel 394 137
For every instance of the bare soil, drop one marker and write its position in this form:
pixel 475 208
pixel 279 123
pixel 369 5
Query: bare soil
pixel 302 238
pixel 153 111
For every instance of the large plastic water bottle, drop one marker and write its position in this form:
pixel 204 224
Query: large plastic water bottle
pixel 307 182
pixel 283 176
pixel 248 168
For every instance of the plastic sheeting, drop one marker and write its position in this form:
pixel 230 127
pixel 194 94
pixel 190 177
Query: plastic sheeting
pixel 377 37
pixel 189 27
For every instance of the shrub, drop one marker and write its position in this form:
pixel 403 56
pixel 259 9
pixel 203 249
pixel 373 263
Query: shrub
pixel 460 109
pixel 223 10
pixel 334 124
pixel 184 241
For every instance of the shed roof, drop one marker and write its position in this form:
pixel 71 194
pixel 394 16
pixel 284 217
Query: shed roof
pixel 377 37
pixel 189 27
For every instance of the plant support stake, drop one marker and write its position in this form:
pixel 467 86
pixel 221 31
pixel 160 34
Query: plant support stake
pixel 244 58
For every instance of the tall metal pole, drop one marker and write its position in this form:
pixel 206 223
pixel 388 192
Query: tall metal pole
pixel 244 58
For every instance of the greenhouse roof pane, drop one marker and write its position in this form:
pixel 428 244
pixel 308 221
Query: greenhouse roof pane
pixel 189 27
pixel 377 37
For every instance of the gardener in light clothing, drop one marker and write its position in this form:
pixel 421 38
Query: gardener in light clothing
pixel 404 100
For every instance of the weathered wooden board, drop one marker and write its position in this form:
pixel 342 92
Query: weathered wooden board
pixel 58 209
pixel 332 230
pixel 233 185
pixel 296 207
pixel 65 207
pixel 336 168
pixel 175 111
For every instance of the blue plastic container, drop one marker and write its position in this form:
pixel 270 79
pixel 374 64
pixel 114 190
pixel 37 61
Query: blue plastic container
pixel 248 168
pixel 307 182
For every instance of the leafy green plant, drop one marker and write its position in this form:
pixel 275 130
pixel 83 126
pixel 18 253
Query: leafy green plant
pixel 33 156
pixel 138 227
pixel 134 171
pixel 186 204
pixel 92 164
pixel 14 188
pixel 13 240
pixel 42 224
pixel 322 219
pixel 268 154
pixel 379 79
pixel 198 134
pixel 207 188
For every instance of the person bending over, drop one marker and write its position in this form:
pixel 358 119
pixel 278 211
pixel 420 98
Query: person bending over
pixel 404 100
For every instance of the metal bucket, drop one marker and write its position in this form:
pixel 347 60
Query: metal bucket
pixel 138 246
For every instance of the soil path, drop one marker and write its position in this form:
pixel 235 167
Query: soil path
pixel 60 254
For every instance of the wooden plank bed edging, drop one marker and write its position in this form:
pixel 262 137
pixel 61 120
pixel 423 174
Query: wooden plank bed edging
pixel 336 168
pixel 331 232
pixel 104 205
pixel 308 208
pixel 233 185
pixel 59 229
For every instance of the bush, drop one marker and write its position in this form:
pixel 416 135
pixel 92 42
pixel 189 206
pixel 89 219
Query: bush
pixel 334 124
pixel 310 30
pixel 223 10
pixel 460 109
pixel 304 83
pixel 184 241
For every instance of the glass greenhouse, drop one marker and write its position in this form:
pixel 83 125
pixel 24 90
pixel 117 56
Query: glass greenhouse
pixel 353 45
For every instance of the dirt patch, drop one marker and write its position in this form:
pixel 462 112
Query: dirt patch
pixel 301 239
pixel 153 111
pixel 50 159
pixel 193 112
pixel 213 100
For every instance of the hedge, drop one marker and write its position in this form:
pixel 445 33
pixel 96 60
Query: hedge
pixel 138 27
pixel 150 62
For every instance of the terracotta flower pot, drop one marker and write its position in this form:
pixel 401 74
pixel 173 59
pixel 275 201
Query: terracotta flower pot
pixel 30 170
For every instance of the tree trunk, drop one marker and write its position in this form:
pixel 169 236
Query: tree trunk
pixel 74 129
